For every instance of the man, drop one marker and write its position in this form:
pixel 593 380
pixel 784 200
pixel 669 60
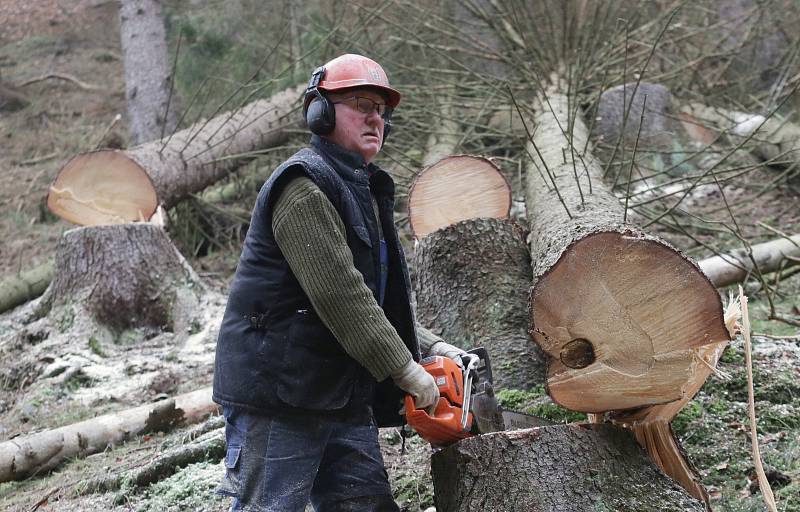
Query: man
pixel 318 343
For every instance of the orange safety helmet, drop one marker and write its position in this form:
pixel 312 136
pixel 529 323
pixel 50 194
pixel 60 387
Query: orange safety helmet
pixel 350 71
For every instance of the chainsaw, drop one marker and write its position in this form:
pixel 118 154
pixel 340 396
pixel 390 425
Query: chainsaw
pixel 467 405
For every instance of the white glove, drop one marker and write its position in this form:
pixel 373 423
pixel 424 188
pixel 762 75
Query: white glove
pixel 440 348
pixel 414 380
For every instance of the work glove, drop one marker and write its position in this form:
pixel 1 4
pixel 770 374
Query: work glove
pixel 440 348
pixel 414 380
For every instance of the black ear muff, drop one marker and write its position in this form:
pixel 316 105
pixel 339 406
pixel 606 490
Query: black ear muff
pixel 387 124
pixel 320 114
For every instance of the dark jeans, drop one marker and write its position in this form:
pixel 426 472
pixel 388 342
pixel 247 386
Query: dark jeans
pixel 279 462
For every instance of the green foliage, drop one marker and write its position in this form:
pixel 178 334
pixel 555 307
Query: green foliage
pixel 191 488
pixel 556 414
pixel 680 424
pixel 96 347
pixel 518 399
pixel 408 489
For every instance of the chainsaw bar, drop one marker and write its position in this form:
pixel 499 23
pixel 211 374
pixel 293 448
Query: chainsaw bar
pixel 489 415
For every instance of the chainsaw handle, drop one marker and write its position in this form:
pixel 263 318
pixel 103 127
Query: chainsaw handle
pixel 441 428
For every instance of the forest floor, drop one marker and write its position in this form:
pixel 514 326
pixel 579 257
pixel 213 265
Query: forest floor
pixel 81 38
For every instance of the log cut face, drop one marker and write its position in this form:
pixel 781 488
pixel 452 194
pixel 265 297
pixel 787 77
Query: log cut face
pixel 454 189
pixel 554 469
pixel 472 281
pixel 111 187
pixel 619 312
pixel 128 275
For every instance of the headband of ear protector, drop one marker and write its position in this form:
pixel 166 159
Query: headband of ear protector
pixel 319 112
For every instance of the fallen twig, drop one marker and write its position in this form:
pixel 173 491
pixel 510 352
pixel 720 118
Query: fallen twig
pixel 61 76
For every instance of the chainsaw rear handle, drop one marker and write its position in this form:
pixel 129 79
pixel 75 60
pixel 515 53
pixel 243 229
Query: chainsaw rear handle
pixel 444 426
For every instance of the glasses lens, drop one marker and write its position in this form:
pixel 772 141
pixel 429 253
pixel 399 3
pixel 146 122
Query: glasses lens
pixel 366 106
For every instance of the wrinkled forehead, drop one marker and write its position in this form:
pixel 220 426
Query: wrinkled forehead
pixel 367 92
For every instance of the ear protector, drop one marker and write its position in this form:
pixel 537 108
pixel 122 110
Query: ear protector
pixel 318 111
pixel 320 114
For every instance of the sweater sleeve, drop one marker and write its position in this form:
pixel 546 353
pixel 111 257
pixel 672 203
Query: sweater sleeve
pixel 312 237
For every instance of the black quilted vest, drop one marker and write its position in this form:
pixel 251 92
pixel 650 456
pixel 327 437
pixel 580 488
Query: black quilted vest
pixel 274 354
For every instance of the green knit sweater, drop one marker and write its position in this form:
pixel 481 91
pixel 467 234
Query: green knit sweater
pixel 312 237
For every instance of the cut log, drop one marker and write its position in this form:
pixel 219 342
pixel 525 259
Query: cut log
pixel 735 267
pixel 553 469
pixel 471 281
pixel 24 456
pixel 454 189
pixel 619 312
pixel 122 276
pixel 26 285
pixel 148 75
pixel 114 187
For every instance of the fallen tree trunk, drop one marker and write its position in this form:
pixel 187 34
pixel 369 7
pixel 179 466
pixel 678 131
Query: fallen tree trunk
pixel 24 456
pixel 773 139
pixel 26 285
pixel 112 187
pixel 553 469
pixel 619 311
pixel 735 267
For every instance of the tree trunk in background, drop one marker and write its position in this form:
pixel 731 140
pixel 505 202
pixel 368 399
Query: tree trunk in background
pixel 554 469
pixel 472 281
pixel 148 78
pixel 124 276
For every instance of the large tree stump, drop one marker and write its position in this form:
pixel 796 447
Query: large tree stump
pixel 472 281
pixel 122 276
pixel 113 187
pixel 554 469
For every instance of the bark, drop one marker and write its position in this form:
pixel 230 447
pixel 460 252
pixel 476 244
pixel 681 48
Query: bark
pixel 123 276
pixel 112 187
pixel 32 454
pixel 735 267
pixel 774 139
pixel 457 188
pixel 618 311
pixel 472 282
pixel 26 285
pixel 148 75
pixel 552 469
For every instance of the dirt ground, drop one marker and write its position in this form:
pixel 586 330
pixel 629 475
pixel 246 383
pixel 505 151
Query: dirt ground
pixel 39 38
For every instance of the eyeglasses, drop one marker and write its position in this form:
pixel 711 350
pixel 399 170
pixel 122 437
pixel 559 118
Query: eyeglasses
pixel 364 105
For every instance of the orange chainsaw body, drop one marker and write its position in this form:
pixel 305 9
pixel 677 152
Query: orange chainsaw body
pixel 444 427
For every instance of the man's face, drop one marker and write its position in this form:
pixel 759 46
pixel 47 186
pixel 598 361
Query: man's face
pixel 356 131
